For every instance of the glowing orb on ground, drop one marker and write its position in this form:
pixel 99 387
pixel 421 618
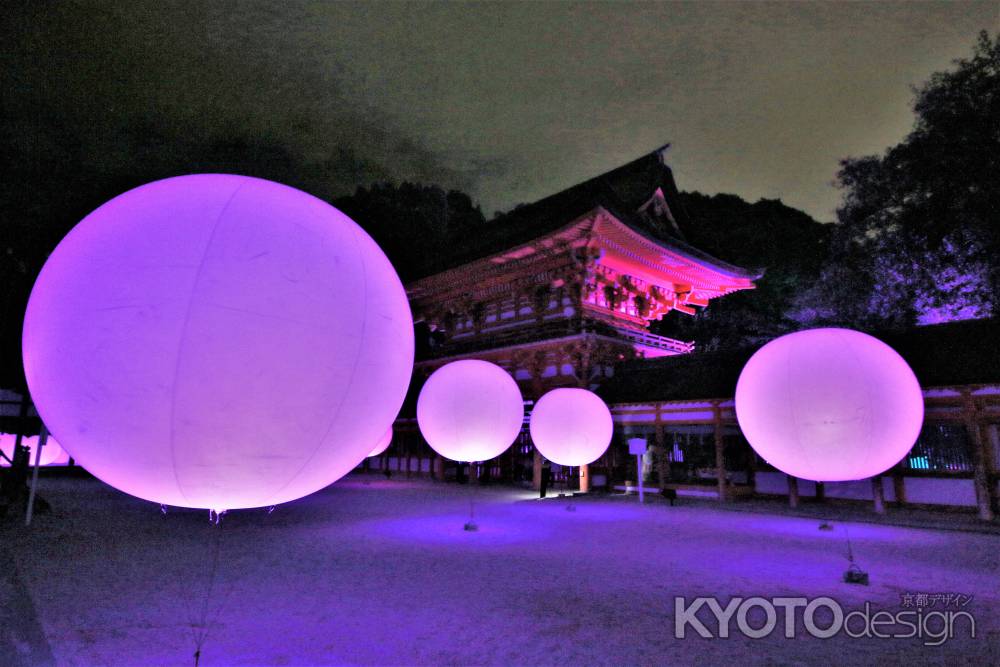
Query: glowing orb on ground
pixel 383 444
pixel 52 453
pixel 470 410
pixel 829 405
pixel 571 427
pixel 218 341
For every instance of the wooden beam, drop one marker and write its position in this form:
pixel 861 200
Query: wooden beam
pixel 985 490
pixel 720 453
pixel 696 300
pixel 878 494
pixel 793 491
pixel 687 310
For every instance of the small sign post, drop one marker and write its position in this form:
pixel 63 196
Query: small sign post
pixel 637 447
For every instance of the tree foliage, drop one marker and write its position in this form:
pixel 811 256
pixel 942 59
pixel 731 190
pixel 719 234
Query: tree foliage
pixel 414 224
pixel 918 234
pixel 785 243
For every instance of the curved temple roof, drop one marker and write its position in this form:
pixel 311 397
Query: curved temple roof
pixel 641 194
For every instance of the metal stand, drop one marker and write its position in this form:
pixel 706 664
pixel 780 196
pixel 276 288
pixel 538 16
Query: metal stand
pixel 638 465
pixel 43 437
pixel 854 573
pixel 470 525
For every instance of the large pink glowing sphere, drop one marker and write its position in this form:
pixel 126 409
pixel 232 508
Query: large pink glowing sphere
pixel 470 410
pixel 829 405
pixel 571 427
pixel 383 444
pixel 52 453
pixel 218 341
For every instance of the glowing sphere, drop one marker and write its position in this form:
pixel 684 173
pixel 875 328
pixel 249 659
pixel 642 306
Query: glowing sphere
pixel 7 441
pixel 383 444
pixel 571 427
pixel 52 453
pixel 470 410
pixel 829 405
pixel 218 341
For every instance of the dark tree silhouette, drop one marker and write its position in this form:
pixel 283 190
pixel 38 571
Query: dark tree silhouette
pixel 918 233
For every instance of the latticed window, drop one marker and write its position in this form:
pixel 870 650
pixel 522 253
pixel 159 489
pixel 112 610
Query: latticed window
pixel 941 447
pixel 690 452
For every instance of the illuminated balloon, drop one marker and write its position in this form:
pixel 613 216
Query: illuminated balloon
pixel 829 405
pixel 52 453
pixel 7 441
pixel 470 410
pixel 571 427
pixel 383 444
pixel 218 341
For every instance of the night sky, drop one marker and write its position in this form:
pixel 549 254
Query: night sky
pixel 507 101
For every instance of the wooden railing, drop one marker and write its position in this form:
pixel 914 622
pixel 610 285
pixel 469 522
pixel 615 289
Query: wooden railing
pixel 659 342
pixel 556 328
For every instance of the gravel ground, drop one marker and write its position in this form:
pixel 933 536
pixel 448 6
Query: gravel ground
pixel 380 572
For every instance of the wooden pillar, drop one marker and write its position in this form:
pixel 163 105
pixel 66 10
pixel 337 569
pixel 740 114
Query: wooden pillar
pixel 584 478
pixel 793 491
pixel 409 457
pixel 985 491
pixel 662 464
pixel 536 472
pixel 820 492
pixel 899 485
pixel 720 453
pixel 537 366
pixel 878 494
pixel 22 422
pixel 438 468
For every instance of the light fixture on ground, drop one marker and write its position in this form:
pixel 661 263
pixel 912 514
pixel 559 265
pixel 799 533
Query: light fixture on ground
pixel 829 405
pixel 218 341
pixel 468 411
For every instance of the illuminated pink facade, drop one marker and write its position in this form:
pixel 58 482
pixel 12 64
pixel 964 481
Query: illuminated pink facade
pixel 571 283
pixel 561 291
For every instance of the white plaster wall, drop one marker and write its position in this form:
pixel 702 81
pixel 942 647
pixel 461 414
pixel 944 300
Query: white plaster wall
pixel 940 491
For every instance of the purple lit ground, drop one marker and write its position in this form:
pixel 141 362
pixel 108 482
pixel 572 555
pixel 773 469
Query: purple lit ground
pixel 381 573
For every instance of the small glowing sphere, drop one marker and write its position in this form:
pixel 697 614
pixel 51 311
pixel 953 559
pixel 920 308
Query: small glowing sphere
pixel 829 405
pixel 383 444
pixel 218 341
pixel 571 427
pixel 470 410
pixel 52 453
